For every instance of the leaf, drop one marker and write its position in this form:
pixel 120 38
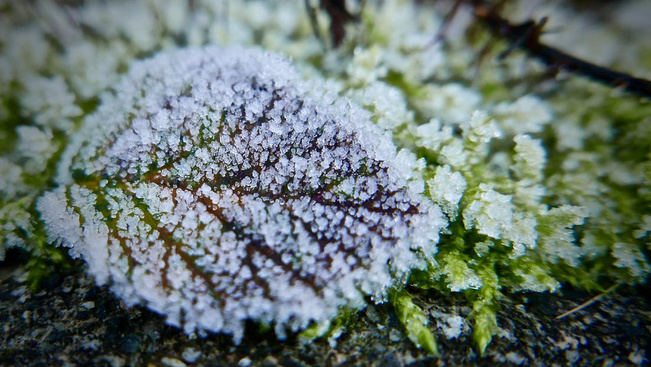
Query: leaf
pixel 216 186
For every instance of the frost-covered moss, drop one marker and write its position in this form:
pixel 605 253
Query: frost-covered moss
pixel 544 183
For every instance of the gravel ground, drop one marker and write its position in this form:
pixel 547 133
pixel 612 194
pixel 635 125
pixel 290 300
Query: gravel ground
pixel 72 322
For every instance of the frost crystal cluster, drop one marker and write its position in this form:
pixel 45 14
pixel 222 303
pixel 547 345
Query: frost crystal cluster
pixel 214 186
pixel 543 182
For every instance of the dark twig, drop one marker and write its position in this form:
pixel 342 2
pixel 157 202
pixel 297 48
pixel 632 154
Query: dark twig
pixel 339 17
pixel 311 13
pixel 526 36
pixel 588 302
pixel 445 24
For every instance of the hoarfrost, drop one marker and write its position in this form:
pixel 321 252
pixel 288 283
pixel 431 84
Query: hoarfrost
pixel 452 102
pixel 10 179
pixel 447 189
pixel 630 257
pixel 216 186
pixel 454 326
pixel 529 114
pixel 50 102
pixel 35 147
pixel 491 213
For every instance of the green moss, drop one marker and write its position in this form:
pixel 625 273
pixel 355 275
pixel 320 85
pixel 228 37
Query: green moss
pixel 413 320
pixel 44 260
pixel 595 187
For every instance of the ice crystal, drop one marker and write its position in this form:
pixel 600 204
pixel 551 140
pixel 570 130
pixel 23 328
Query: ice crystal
pixel 546 181
pixel 528 114
pixel 212 185
pixel 446 189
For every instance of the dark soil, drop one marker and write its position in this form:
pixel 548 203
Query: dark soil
pixel 72 322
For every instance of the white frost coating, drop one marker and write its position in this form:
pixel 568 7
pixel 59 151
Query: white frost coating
pixel 50 102
pixel 530 158
pixel 35 146
pixel 480 129
pixel 215 186
pixel 529 114
pixel 454 326
pixel 387 103
pixel 491 213
pixel 494 215
pixel 447 189
pixel 452 102
pixel 631 258
pixel 10 179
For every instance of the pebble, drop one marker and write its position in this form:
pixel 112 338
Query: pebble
pixel 172 362
pixel 190 355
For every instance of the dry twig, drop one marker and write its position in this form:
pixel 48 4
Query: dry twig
pixel 526 36
pixel 339 17
pixel 587 303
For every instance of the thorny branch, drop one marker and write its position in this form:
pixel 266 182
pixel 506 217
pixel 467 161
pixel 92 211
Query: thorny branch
pixel 339 17
pixel 526 36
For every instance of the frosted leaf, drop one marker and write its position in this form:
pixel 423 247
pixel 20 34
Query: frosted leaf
pixel 213 186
